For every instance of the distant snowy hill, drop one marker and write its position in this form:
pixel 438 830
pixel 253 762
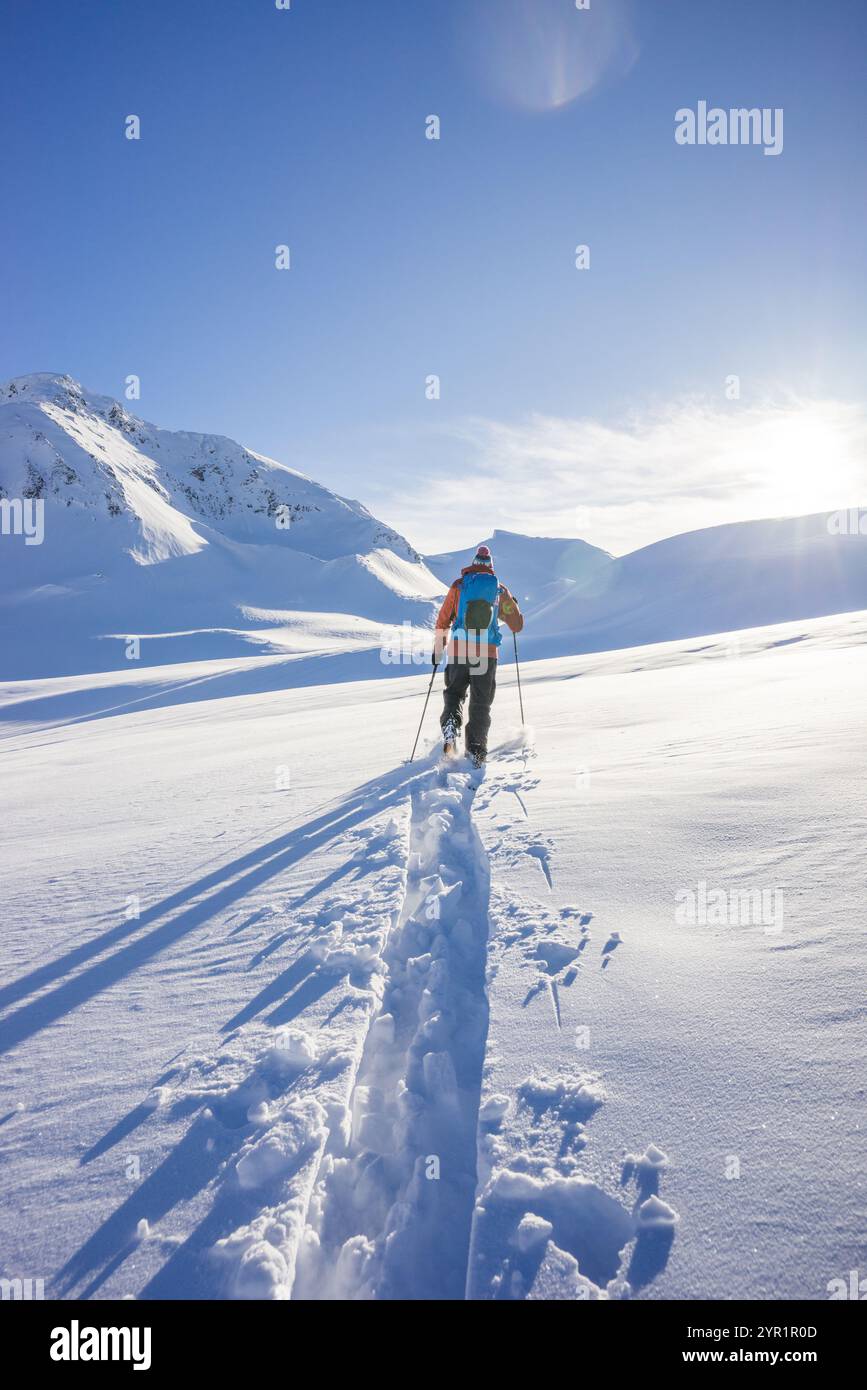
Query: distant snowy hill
pixel 747 574
pixel 535 568
pixel 722 579
pixel 188 539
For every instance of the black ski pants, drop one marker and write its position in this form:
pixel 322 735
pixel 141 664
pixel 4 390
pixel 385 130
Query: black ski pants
pixel 481 682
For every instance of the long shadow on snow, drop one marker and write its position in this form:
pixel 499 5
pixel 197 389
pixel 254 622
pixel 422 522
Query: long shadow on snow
pixel 206 1150
pixel 188 1168
pixel 252 676
pixel 225 886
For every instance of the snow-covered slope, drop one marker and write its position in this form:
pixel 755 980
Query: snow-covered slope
pixel 716 580
pixel 580 599
pixel 283 1017
pixel 535 568
pixel 205 551
pixel 156 532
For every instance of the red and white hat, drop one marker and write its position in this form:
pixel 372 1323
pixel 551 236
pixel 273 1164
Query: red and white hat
pixel 483 556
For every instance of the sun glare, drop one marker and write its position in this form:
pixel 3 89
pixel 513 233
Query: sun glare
pixel 541 55
pixel 808 460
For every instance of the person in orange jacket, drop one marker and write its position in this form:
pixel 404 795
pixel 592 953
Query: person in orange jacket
pixel 470 613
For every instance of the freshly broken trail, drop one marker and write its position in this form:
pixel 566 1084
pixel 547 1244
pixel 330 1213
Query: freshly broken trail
pixel 391 1213
pixel 431 1161
pixel 380 1031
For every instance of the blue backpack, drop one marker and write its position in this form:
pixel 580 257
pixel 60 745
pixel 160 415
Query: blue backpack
pixel 477 610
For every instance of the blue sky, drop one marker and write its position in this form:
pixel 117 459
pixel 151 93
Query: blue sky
pixel 572 402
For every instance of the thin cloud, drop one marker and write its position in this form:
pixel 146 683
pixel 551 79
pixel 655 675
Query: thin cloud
pixel 680 467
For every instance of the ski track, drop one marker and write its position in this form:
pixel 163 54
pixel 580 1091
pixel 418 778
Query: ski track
pixel 398 1106
pixel 392 1210
pixel 355 1143
pixel 442 1187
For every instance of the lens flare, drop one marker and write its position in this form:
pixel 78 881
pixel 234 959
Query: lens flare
pixel 541 55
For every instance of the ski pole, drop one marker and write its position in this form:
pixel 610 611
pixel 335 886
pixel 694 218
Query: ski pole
pixel 424 711
pixel 518 669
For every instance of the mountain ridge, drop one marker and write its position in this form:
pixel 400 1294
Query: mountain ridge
pixel 150 531
pixel 191 542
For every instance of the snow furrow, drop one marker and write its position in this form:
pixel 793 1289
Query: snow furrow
pixel 391 1214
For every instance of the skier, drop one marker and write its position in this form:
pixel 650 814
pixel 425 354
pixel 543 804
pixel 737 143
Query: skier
pixel 473 604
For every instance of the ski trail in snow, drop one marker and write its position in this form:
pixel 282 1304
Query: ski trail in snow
pixel 391 1212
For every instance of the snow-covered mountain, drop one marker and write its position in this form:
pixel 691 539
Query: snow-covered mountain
pixel 205 550
pixel 189 540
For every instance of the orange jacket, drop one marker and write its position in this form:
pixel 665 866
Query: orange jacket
pixel 507 609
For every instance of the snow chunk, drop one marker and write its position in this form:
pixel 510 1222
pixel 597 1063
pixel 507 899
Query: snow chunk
pixel 301 1127
pixel 645 1165
pixel 559 1277
pixel 652 1158
pixel 574 1100
pixel 293 1050
pixel 260 1268
pixel 494 1109
pixel 655 1213
pixel 157 1098
pixel 531 1231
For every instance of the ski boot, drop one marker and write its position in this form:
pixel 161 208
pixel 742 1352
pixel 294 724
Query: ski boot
pixel 450 741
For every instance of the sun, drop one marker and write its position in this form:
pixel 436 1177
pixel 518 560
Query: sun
pixel 809 459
